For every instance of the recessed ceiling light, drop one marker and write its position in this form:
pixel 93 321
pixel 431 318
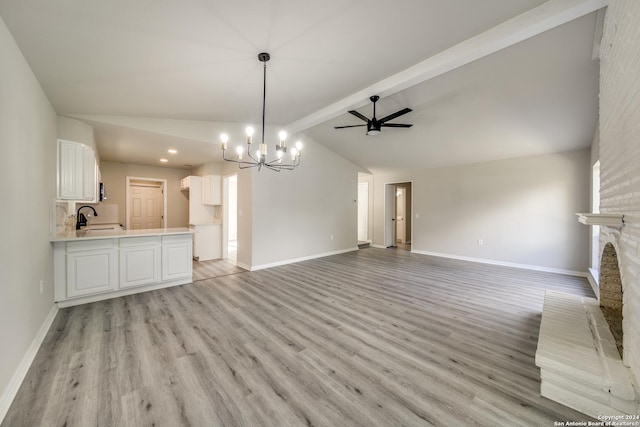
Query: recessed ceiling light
pixel 172 151
pixel 164 160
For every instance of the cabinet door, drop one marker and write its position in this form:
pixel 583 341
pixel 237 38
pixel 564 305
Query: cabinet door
pixel 77 168
pixel 139 261
pixel 184 183
pixel 89 169
pixel 176 257
pixel 211 190
pixel 70 159
pixel 91 270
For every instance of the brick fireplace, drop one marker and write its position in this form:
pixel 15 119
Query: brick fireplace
pixel 579 351
pixel 619 155
pixel 581 341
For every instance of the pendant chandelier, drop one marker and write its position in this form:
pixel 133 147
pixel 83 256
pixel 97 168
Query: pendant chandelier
pixel 259 157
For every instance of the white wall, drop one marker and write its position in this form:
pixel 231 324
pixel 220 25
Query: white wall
pixel 620 157
pixel 211 168
pixel 114 177
pixel 27 173
pixel 368 178
pixel 295 213
pixel 523 210
pixel 245 216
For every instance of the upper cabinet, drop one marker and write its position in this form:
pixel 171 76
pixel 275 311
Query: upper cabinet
pixel 184 183
pixel 77 172
pixel 212 190
pixel 89 174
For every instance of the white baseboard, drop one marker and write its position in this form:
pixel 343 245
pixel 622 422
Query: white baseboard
pixel 18 377
pixel 504 264
pixel 379 246
pixel 305 258
pixel 121 293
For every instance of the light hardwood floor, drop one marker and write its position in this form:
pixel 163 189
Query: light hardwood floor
pixel 368 338
pixel 214 268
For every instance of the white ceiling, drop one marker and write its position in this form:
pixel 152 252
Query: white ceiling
pixel 197 60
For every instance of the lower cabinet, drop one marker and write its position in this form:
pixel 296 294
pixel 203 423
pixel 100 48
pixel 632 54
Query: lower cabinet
pixel 91 270
pixel 92 266
pixel 139 261
pixel 176 257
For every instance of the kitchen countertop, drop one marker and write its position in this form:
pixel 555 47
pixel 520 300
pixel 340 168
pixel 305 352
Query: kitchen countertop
pixel 117 234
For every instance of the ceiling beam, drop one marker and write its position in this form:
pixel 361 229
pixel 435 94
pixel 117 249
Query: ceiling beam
pixel 547 16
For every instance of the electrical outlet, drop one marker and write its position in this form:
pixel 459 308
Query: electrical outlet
pixel 332 237
pixel 480 242
pixel 41 286
pixel 417 216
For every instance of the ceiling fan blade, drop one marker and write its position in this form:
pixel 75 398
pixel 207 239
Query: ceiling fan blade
pixel 395 125
pixel 394 115
pixel 344 127
pixel 358 115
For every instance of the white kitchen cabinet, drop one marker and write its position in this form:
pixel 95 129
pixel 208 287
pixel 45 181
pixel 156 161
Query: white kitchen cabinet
pixel 77 172
pixel 207 241
pixel 184 183
pixel 199 213
pixel 139 261
pixel 112 264
pixel 70 168
pixel 212 190
pixel 89 174
pixel 176 257
pixel 92 267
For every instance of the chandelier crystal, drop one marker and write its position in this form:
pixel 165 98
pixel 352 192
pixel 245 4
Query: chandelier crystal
pixel 258 158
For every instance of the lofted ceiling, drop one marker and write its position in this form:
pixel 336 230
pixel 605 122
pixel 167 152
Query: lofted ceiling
pixel 196 61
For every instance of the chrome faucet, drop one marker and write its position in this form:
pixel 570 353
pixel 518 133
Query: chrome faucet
pixel 81 220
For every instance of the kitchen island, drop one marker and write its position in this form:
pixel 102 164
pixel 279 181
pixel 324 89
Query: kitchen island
pixel 94 265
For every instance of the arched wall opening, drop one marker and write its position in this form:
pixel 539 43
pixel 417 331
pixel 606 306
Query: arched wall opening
pixel 611 292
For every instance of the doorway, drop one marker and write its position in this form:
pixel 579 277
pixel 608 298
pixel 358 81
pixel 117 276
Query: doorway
pixel 398 213
pixel 401 229
pixel 363 212
pixel 146 203
pixel 230 218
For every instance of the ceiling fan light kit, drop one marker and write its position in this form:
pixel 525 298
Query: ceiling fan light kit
pixel 374 126
pixel 259 157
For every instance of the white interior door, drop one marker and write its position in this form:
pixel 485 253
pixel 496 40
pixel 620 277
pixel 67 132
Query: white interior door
pixel 401 229
pixel 145 206
pixel 389 215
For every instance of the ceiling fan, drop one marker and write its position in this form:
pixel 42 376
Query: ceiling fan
pixel 374 126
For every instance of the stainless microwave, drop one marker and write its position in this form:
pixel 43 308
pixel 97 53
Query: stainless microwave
pixel 102 193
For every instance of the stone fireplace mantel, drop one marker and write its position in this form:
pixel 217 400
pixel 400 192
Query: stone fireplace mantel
pixel 601 219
